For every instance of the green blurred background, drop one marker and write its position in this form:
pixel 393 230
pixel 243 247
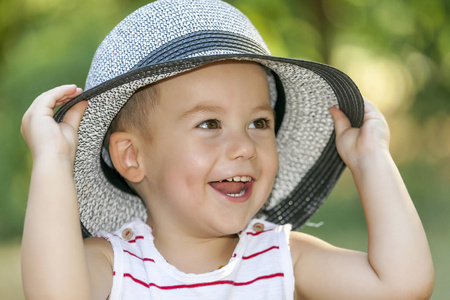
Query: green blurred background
pixel 397 51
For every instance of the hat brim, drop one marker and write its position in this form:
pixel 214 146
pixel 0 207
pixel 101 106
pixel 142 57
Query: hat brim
pixel 309 165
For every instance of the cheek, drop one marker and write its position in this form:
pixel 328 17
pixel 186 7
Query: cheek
pixel 268 161
pixel 184 177
pixel 190 163
pixel 269 157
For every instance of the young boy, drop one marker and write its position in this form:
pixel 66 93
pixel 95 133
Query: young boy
pixel 192 130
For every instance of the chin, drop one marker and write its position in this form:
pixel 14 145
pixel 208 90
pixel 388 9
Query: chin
pixel 233 225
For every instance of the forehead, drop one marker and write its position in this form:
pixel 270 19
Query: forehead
pixel 219 84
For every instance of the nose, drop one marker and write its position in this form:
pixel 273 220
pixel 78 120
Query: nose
pixel 241 146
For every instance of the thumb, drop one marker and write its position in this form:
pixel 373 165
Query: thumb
pixel 75 114
pixel 341 122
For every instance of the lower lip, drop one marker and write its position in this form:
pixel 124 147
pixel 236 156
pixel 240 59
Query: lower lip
pixel 240 199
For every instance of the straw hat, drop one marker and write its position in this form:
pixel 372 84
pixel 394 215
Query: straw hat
pixel 168 37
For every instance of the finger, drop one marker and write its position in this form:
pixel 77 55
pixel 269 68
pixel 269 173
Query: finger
pixel 68 97
pixel 371 111
pixel 57 96
pixel 341 122
pixel 369 106
pixel 75 114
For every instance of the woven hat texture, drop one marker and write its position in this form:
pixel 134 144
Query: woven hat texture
pixel 168 37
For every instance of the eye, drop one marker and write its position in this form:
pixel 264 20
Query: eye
pixel 209 124
pixel 260 124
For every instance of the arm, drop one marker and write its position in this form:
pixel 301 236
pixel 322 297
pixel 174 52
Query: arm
pixel 53 257
pixel 398 264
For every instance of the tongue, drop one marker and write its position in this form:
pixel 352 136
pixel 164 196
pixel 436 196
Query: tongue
pixel 228 187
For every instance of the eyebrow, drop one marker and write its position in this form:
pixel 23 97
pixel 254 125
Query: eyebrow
pixel 265 107
pixel 203 109
pixel 220 110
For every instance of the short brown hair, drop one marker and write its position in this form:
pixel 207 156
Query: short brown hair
pixel 135 113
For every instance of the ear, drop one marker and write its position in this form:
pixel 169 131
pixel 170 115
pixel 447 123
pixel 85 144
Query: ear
pixel 124 155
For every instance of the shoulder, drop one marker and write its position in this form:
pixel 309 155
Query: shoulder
pixel 105 244
pixel 309 254
pixel 100 260
pixel 99 255
pixel 303 244
pixel 104 254
pixel 99 247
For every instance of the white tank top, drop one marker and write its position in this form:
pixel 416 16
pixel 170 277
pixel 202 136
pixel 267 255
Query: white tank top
pixel 260 267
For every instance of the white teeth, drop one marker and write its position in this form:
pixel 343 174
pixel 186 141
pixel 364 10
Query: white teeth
pixel 240 178
pixel 237 195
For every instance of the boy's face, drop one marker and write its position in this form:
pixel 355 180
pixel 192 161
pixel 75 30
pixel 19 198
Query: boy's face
pixel 210 125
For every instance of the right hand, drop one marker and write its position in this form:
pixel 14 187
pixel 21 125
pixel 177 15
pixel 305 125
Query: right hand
pixel 46 137
pixel 359 145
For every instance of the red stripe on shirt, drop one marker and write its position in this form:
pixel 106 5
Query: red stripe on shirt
pixel 144 259
pixel 259 253
pixel 259 232
pixel 138 237
pixel 196 285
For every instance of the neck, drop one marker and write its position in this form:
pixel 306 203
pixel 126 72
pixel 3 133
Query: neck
pixel 191 254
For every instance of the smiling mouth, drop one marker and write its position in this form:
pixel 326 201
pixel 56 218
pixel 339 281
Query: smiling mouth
pixel 235 187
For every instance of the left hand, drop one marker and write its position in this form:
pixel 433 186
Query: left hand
pixel 44 136
pixel 356 144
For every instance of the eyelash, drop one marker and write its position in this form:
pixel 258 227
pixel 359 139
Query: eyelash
pixel 217 125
